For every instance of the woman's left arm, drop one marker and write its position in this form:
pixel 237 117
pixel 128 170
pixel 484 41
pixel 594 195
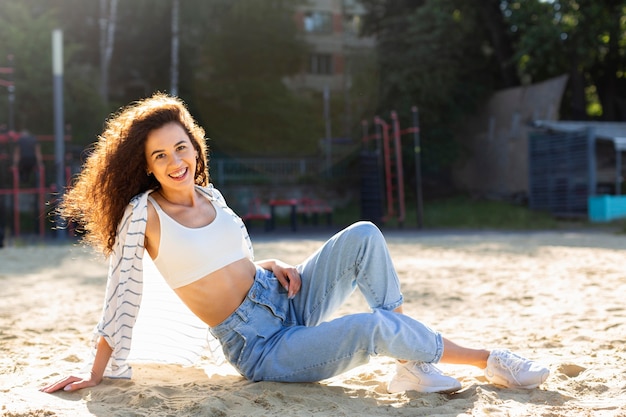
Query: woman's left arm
pixel 286 274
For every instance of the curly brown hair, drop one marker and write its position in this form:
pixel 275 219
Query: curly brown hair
pixel 116 169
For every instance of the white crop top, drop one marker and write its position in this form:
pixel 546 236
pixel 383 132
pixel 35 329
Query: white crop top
pixel 187 254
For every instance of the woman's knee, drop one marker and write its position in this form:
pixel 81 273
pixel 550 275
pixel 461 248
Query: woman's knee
pixel 364 230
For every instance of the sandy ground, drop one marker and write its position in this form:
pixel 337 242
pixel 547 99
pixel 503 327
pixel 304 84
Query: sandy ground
pixel 557 297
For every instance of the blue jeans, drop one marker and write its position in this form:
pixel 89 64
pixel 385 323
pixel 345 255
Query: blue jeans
pixel 272 338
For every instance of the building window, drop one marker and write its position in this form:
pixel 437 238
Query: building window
pixel 321 64
pixel 352 24
pixel 318 22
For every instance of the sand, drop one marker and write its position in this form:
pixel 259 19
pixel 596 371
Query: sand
pixel 557 297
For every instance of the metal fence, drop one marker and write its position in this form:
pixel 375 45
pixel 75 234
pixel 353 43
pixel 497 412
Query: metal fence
pixel 561 172
pixel 264 170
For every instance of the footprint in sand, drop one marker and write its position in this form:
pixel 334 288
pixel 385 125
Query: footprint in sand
pixel 570 370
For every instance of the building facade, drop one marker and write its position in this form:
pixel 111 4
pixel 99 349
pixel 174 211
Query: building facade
pixel 331 28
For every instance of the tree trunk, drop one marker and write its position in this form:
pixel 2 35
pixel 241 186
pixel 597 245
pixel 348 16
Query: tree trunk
pixel 175 41
pixel 607 76
pixel 577 88
pixel 499 34
pixel 108 20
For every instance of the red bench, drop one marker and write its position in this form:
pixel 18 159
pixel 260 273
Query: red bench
pixel 254 213
pixel 292 203
pixel 309 208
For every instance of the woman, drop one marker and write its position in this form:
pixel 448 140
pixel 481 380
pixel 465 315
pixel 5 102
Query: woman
pixel 268 316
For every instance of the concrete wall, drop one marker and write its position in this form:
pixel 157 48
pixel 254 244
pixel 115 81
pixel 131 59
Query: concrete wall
pixel 495 159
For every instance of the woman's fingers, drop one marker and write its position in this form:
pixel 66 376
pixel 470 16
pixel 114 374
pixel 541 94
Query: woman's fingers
pixel 294 282
pixel 70 383
pixel 289 277
pixel 79 385
pixel 282 277
pixel 55 386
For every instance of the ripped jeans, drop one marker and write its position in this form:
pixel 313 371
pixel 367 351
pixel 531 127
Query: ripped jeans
pixel 272 338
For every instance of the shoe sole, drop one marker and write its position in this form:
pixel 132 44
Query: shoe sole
pixel 505 383
pixel 425 390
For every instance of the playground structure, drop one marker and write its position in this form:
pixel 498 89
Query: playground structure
pixel 16 190
pixel 382 177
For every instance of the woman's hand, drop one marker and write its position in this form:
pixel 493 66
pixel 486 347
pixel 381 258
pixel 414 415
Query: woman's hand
pixel 287 275
pixel 71 383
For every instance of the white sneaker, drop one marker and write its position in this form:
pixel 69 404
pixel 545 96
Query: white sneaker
pixel 421 377
pixel 512 371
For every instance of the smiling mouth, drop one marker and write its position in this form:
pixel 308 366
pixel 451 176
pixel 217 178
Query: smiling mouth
pixel 178 174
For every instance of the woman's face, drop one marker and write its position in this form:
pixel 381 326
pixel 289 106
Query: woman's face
pixel 170 156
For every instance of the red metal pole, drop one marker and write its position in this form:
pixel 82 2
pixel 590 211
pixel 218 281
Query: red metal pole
pixel 399 169
pixel 16 201
pixel 387 161
pixel 42 205
pixel 417 151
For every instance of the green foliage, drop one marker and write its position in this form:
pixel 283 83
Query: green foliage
pixel 537 37
pixel 233 57
pixel 463 212
pixel 584 38
pixel 246 50
pixel 141 55
pixel 25 32
pixel 432 55
pixel 444 56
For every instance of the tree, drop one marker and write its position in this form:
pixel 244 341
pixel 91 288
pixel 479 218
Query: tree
pixel 244 51
pixel 175 42
pixel 500 40
pixel 584 38
pixel 436 55
pixel 108 22
pixel 25 33
pixel 446 56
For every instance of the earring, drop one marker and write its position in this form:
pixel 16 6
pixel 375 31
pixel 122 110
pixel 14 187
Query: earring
pixel 148 173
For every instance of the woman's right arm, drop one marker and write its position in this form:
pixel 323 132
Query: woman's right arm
pixel 73 383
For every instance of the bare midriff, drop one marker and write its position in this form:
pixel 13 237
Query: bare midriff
pixel 216 296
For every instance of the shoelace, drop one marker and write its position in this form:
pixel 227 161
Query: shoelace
pixel 511 363
pixel 426 368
